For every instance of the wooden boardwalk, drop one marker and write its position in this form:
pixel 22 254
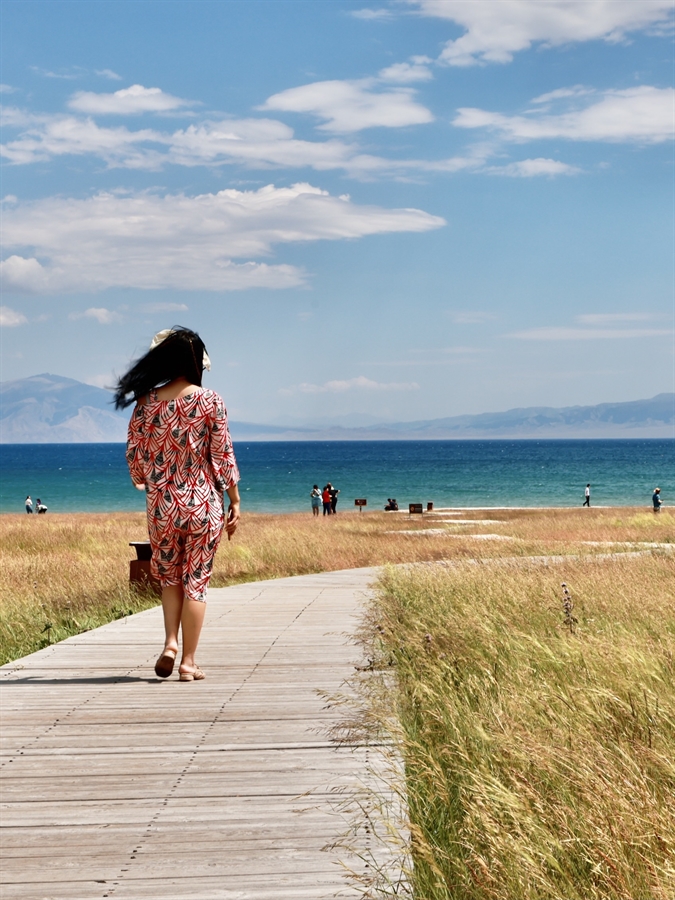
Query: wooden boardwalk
pixel 116 784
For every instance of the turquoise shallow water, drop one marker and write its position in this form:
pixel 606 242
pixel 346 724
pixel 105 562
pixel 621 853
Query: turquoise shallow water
pixel 278 476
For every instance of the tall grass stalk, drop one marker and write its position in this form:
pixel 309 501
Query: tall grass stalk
pixel 539 760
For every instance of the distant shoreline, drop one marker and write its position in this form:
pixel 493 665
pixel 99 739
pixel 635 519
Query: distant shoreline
pixel 401 439
pixel 348 510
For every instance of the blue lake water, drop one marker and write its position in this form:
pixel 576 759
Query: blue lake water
pixel 278 476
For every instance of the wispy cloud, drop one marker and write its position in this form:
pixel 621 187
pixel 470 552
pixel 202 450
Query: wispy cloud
pixel 164 307
pixel 403 73
pixel 496 31
pixel 10 318
pixel 534 168
pixel 361 383
pixel 563 93
pixel 70 74
pixel 349 106
pixel 642 114
pixel 127 101
pixel 183 243
pixel 370 15
pixel 613 318
pixel 108 73
pixel 255 143
pixel 100 314
pixel 7 89
pixel 588 334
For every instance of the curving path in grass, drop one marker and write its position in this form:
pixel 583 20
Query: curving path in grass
pixel 116 784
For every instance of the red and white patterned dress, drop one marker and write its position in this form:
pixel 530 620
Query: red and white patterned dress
pixel 181 451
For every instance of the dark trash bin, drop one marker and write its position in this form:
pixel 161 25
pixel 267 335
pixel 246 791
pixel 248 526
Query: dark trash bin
pixel 139 568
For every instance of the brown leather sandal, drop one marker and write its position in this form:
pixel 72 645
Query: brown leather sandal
pixel 165 663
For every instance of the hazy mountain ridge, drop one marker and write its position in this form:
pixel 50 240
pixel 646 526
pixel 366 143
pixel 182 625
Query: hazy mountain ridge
pixel 52 409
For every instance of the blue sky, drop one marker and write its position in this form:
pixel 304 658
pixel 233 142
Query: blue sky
pixel 402 210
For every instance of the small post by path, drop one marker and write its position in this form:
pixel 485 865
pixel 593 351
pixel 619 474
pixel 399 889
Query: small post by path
pixel 361 503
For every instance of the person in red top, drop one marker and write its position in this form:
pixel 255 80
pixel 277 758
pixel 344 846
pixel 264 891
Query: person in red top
pixel 179 451
pixel 326 500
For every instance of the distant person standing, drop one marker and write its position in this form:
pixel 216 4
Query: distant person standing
pixel 29 505
pixel 587 496
pixel 315 497
pixel 333 499
pixel 656 499
pixel 326 498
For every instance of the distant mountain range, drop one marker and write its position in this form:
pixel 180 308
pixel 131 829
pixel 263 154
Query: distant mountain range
pixel 51 409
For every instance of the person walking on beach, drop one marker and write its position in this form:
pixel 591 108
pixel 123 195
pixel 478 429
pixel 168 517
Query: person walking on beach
pixel 587 496
pixel 29 505
pixel 326 498
pixel 333 498
pixel 315 497
pixel 656 499
pixel 180 452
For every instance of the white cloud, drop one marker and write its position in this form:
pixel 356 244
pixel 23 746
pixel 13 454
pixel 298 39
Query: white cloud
pixel 51 136
pixel 255 143
pixel 100 314
pixel 588 334
pixel 22 275
pixel 7 89
pixel 71 75
pixel 361 383
pixel 611 318
pixel 562 93
pixel 641 114
pixel 178 242
pixel 108 73
pixel 164 307
pixel 372 14
pixel 497 30
pixel 404 73
pixel 531 168
pixel 10 318
pixel 349 106
pixel 134 99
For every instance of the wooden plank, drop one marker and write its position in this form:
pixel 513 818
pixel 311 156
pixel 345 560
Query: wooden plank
pixel 118 784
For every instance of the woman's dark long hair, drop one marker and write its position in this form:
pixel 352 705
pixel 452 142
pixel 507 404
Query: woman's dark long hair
pixel 179 355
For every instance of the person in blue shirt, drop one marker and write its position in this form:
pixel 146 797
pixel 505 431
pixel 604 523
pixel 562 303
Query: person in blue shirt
pixel 656 499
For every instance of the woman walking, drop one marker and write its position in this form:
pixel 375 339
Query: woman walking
pixel 180 452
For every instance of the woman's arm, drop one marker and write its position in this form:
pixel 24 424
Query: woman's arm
pixel 224 464
pixel 233 513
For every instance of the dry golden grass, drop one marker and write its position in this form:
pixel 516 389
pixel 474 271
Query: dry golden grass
pixel 539 758
pixel 61 574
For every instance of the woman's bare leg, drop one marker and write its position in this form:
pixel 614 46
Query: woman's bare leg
pixel 172 606
pixel 191 621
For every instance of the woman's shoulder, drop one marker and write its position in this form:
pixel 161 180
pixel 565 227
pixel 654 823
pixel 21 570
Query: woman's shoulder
pixel 207 395
pixel 209 400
